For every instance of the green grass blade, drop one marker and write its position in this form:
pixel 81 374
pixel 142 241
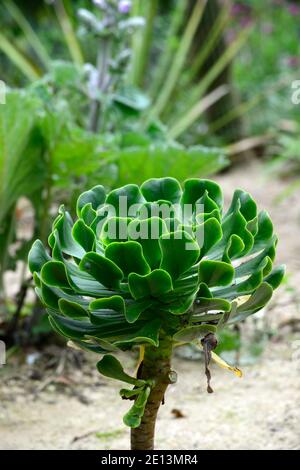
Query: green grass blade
pixel 18 59
pixel 68 31
pixel 179 59
pixel 168 49
pixel 246 106
pixel 142 46
pixel 249 143
pixel 217 29
pixel 198 91
pixel 193 114
pixel 222 62
pixel 28 32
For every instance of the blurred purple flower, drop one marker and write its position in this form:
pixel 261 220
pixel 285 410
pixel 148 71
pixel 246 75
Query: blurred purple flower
pixel 293 61
pixel 240 9
pixel 294 9
pixel 124 6
pixel 245 21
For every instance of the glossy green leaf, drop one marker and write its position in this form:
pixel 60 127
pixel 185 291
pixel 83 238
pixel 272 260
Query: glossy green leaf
pixel 95 196
pixel 88 214
pixel 83 235
pixel 71 309
pixel 256 262
pixel 203 304
pixel 264 232
pixel 116 303
pixel 180 304
pixel 241 287
pixel 208 234
pixel 257 301
pixel 109 366
pixel 243 201
pixel 107 309
pixel 135 309
pixel 156 189
pixel 235 246
pixel 190 333
pixel 155 284
pixel 90 347
pixel 215 273
pixel 136 412
pixel 195 188
pixel 125 200
pixel 147 232
pixel 73 329
pixel 54 274
pixel 275 277
pixel 102 269
pixel 128 256
pixel 37 256
pixel 179 252
pixel 115 229
pixel 206 205
pixel 149 333
pixel 64 225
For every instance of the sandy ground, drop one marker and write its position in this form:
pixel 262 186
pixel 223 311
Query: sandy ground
pixel 81 410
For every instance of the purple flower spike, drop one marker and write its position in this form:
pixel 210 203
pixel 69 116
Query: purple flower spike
pixel 124 6
pixel 294 9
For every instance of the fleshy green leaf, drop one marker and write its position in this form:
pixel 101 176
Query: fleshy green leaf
pixel 71 309
pixel 83 235
pixel 68 245
pixel 215 273
pixel 195 188
pixel 155 284
pixel 95 196
pixel 102 269
pixel 107 308
pixel 125 200
pixel 88 214
pixel 149 333
pixel 134 416
pixel 135 309
pixel 243 201
pixel 156 189
pixel 109 366
pixel 54 274
pixel 276 276
pixel 37 256
pixel 115 302
pixel 256 302
pixel 179 253
pixel 128 256
pixel 147 232
pixel 208 233
pixel 190 333
pixel 204 305
pixel 115 229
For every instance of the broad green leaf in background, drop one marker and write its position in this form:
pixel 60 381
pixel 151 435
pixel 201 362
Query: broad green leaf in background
pixel 22 169
pixel 139 163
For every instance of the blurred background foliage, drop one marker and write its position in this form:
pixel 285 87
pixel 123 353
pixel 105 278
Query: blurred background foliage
pixel 119 91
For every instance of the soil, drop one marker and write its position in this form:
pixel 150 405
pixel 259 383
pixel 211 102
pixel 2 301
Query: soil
pixel 69 406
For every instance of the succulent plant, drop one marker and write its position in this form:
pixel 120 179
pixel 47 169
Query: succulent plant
pixel 154 266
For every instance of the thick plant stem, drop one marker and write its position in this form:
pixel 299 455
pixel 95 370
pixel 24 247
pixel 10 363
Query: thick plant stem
pixel 156 366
